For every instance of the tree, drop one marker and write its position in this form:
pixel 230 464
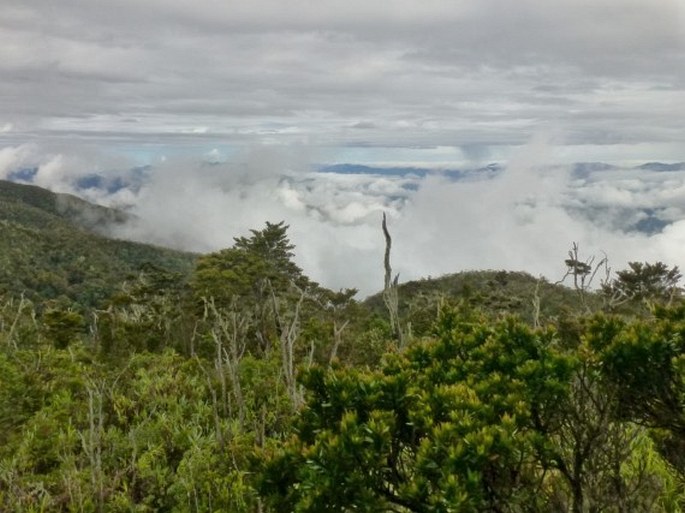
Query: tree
pixel 150 313
pixel 338 304
pixel 63 326
pixel 590 453
pixel 644 282
pixel 254 271
pixel 273 246
pixel 243 269
pixel 583 273
pixel 645 360
pixel 445 426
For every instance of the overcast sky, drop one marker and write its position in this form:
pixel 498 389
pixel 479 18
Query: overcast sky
pixel 350 80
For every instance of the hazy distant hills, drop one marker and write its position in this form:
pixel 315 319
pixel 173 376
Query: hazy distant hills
pixel 52 247
pixel 358 169
pixel 579 169
pixel 420 172
pixel 659 166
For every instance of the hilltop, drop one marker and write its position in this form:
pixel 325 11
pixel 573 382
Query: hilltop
pixel 496 293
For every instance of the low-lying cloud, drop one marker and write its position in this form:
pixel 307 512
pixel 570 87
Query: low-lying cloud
pixel 523 217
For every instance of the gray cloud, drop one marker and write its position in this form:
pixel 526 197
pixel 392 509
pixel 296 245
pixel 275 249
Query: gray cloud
pixel 419 73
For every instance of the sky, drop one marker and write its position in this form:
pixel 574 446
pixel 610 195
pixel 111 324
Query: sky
pixel 224 99
pixel 476 77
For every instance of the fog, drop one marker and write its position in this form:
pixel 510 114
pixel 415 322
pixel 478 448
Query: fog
pixel 524 217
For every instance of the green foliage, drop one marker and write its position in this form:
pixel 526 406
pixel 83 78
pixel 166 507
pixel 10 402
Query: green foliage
pixel 446 426
pixel 128 386
pixel 495 293
pixel 255 278
pixel 644 283
pixel 645 359
pixel 249 268
pixel 152 312
pixel 646 363
pixel 147 437
pixel 272 246
pixel 63 326
pixel 49 251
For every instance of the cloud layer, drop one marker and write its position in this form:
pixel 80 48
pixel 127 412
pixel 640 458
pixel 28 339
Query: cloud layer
pixel 522 217
pixel 401 73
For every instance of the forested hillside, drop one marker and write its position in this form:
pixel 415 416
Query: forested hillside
pixel 52 247
pixel 139 379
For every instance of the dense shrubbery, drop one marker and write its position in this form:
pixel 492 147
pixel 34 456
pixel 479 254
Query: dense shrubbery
pixel 481 415
pixel 247 387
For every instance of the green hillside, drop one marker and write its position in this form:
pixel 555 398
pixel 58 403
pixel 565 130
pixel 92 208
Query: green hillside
pixel 66 206
pixel 232 382
pixel 50 248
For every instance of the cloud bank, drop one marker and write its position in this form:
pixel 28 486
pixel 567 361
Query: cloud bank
pixel 143 77
pixel 521 217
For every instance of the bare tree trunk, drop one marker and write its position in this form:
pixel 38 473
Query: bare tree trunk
pixel 219 366
pixel 536 305
pixel 337 339
pixel 92 443
pixel 288 334
pixel 215 406
pixel 230 327
pixel 13 327
pixel 583 273
pixel 390 297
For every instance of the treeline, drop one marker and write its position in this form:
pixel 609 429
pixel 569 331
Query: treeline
pixel 247 387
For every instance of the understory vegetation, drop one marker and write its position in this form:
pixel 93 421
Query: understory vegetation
pixel 240 385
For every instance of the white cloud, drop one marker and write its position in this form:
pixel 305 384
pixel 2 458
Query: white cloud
pixel 524 218
pixel 52 174
pixel 13 158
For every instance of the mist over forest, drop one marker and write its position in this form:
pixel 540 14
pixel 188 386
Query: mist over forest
pixel 519 215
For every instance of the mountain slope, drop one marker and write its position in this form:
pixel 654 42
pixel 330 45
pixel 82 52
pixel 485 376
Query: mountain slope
pixel 50 248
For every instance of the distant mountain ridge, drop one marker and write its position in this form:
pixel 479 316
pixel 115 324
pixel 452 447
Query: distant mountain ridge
pixel 581 169
pixel 659 166
pixel 360 169
pixel 420 172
